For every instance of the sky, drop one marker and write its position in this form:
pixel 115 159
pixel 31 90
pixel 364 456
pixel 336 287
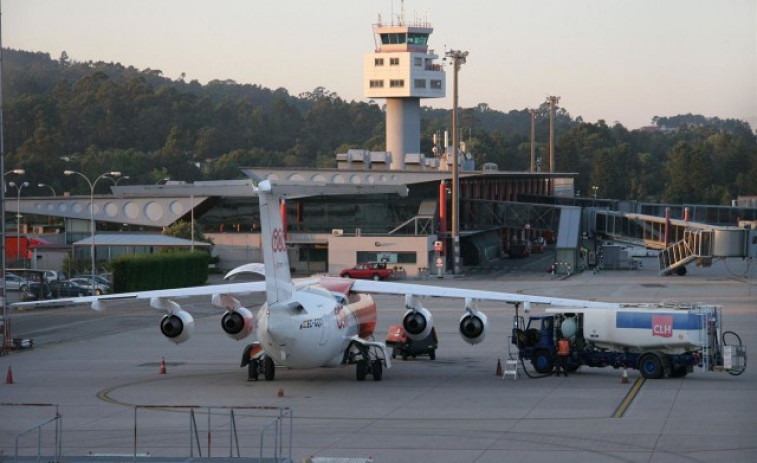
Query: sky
pixel 617 60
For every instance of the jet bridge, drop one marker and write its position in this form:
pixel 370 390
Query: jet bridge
pixel 680 242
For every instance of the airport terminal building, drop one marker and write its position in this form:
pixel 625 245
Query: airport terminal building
pixel 325 234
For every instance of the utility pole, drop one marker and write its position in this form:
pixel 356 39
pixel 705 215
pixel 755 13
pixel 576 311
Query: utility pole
pixel 458 58
pixel 533 140
pixel 5 347
pixel 552 100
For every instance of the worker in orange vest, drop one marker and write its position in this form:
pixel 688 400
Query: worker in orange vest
pixel 563 351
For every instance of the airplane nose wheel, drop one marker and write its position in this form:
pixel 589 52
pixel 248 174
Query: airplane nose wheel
pixel 374 367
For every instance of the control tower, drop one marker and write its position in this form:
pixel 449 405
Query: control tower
pixel 403 70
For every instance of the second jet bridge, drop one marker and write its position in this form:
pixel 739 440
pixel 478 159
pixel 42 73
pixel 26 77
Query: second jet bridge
pixel 680 241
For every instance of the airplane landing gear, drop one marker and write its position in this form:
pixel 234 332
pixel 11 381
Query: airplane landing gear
pixel 264 366
pixel 364 367
pixel 366 362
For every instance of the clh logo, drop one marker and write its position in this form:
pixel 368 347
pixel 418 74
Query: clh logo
pixel 662 325
pixel 277 240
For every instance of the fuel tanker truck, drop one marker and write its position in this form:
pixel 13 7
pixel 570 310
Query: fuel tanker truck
pixel 660 340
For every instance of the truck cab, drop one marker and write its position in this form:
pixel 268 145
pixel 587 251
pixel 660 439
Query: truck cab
pixel 537 342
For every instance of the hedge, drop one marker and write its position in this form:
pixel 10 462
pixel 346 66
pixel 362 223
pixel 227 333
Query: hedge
pixel 160 271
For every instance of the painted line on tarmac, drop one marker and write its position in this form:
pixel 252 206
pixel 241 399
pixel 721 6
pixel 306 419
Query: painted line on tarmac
pixel 621 410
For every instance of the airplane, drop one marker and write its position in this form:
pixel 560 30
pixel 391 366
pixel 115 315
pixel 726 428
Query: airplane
pixel 317 321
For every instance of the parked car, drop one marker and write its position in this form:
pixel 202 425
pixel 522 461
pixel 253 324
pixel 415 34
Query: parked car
pixel 14 282
pixel 86 282
pixel 99 279
pixel 372 270
pixel 54 275
pixel 68 288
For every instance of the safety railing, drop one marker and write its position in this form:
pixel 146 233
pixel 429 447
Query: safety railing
pixel 57 420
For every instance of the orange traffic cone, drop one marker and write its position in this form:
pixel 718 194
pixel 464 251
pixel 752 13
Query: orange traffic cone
pixel 499 368
pixel 624 378
pixel 9 376
pixel 163 366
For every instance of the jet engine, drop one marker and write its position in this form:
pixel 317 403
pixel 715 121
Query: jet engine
pixel 177 326
pixel 473 325
pixel 417 321
pixel 238 323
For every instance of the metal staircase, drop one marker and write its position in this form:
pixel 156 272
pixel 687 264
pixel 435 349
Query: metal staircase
pixel 696 244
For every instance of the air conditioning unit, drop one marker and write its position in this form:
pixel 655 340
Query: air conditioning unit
pixel 337 232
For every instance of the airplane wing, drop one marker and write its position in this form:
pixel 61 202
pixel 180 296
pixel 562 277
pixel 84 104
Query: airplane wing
pixel 384 287
pixel 101 302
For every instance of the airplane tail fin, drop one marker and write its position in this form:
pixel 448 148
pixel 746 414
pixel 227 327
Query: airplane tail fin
pixel 278 278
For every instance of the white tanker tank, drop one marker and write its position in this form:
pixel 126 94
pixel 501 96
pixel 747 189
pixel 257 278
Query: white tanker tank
pixel 641 328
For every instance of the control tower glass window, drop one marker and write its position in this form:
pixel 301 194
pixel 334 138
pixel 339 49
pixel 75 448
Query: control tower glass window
pixel 393 39
pixel 417 39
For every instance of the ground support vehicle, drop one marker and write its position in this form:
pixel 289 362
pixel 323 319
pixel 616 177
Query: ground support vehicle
pixel 665 340
pixel 405 347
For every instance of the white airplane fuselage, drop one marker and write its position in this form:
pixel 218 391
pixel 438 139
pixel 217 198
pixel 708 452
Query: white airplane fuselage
pixel 315 327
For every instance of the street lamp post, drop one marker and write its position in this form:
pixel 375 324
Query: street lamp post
pixel 92 213
pixel 458 59
pixel 18 188
pixel 6 334
pixel 43 185
pixel 124 177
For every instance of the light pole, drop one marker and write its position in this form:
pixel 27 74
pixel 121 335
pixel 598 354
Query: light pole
pixel 92 213
pixel 18 188
pixel 43 185
pixel 458 59
pixel 6 334
pixel 124 177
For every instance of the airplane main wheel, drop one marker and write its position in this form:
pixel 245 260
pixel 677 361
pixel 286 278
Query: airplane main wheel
pixel 252 370
pixel 361 370
pixel 377 370
pixel 269 369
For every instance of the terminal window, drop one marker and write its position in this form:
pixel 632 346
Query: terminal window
pixel 418 62
pixel 394 61
pixel 420 83
pixel 396 83
pixel 377 84
pixel 436 84
pixel 378 62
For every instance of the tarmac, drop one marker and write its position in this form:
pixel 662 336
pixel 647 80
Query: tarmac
pixel 101 372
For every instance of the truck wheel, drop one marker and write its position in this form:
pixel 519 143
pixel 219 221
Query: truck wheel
pixel 361 370
pixel 543 362
pixel 432 355
pixel 650 366
pixel 269 369
pixel 376 277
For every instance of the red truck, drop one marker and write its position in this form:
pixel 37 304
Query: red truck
pixel 372 270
